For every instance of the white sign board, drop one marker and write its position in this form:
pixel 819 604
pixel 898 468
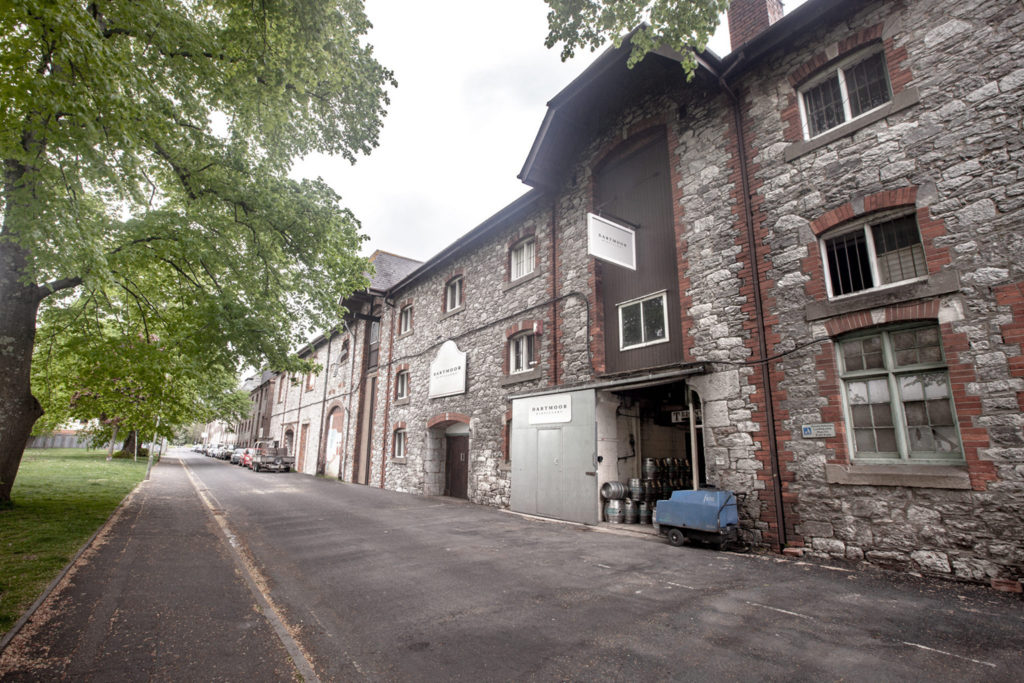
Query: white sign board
pixel 818 431
pixel 553 409
pixel 447 371
pixel 611 242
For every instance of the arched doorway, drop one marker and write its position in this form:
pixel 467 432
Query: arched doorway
pixel 289 439
pixel 446 465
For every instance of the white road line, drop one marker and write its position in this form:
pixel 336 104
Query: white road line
pixel 950 654
pixel 681 585
pixel 257 584
pixel 781 611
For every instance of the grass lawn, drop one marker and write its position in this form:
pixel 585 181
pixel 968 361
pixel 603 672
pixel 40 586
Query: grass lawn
pixel 61 497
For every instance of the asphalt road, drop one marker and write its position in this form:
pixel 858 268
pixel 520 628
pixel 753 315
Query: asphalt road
pixel 213 572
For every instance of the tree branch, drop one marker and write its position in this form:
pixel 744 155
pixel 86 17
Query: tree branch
pixel 54 286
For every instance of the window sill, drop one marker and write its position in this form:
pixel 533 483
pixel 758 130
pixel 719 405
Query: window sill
pixel 521 377
pixel 918 476
pixel 401 401
pixel 505 467
pixel 521 281
pixel 403 335
pixel 397 461
pixel 454 311
pixel 943 282
pixel 907 98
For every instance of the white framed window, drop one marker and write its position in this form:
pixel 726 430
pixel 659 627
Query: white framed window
pixel 453 294
pixel 405 320
pixel 520 353
pixel 399 448
pixel 845 92
pixel 522 258
pixel 897 397
pixel 643 322
pixel 873 253
pixel 402 384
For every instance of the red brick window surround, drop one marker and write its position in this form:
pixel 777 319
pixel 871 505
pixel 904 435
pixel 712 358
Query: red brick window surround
pixel 522 258
pixel 399 447
pixel 311 379
pixel 863 73
pixel 403 384
pixel 522 347
pixel 405 319
pixel 454 296
pixel 897 396
pixel 902 244
pixel 960 374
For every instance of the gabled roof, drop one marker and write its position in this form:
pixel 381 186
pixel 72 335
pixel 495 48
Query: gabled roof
pixel 578 113
pixel 390 269
pixel 514 211
pixel 586 106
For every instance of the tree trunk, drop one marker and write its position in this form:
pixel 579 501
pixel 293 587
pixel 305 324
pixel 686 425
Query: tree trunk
pixel 130 442
pixel 19 409
pixel 113 440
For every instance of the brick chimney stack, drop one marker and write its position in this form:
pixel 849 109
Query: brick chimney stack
pixel 748 18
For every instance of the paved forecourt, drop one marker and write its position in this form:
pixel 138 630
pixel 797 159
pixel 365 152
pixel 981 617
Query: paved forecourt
pixel 215 572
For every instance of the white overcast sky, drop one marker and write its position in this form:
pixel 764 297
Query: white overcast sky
pixel 474 79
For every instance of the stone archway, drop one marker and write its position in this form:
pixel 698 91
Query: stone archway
pixel 446 460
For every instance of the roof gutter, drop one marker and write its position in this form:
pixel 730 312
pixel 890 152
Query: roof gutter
pixel 524 203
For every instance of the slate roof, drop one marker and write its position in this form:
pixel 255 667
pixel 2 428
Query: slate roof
pixel 390 270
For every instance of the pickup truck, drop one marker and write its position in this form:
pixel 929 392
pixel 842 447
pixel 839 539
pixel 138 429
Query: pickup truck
pixel 266 457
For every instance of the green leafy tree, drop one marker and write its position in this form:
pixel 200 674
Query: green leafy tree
pixel 682 25
pixel 90 368
pixel 145 148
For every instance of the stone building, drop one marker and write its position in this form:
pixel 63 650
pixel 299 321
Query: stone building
pixel 800 275
pixel 326 418
pixel 257 425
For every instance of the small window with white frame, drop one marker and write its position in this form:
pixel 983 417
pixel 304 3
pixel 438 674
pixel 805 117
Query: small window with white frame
pixel 844 92
pixel 520 353
pixel 405 320
pixel 643 322
pixel 402 385
pixel 522 258
pixel 873 253
pixel 897 396
pixel 453 294
pixel 399 447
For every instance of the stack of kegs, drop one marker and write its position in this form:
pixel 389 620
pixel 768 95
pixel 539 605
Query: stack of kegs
pixel 613 493
pixel 633 503
pixel 662 476
pixel 628 504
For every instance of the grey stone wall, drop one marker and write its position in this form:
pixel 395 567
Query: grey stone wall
pixel 962 147
pixel 298 406
pixel 491 306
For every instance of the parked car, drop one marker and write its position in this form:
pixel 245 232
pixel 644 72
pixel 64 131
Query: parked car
pixel 267 457
pixel 236 455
